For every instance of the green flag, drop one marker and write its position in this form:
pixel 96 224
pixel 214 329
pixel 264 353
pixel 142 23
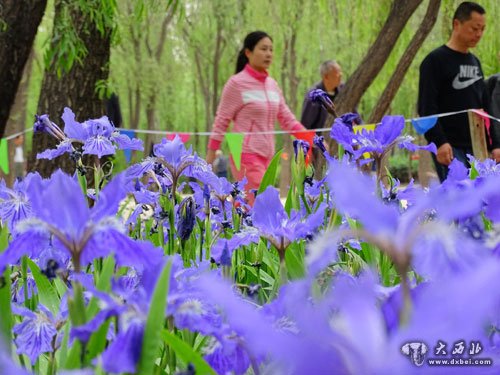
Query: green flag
pixel 4 156
pixel 235 143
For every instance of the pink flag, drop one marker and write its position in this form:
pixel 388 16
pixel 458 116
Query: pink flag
pixel 486 119
pixel 183 136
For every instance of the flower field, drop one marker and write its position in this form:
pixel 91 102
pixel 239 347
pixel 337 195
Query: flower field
pixel 164 269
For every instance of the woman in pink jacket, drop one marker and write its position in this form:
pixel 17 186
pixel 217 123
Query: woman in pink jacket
pixel 253 101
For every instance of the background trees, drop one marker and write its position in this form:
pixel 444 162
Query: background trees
pixel 19 21
pixel 169 60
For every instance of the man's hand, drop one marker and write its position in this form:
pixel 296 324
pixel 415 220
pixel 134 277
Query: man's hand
pixel 210 156
pixel 495 154
pixel 445 154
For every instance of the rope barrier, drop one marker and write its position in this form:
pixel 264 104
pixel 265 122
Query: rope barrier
pixel 12 136
pixel 320 130
pixel 269 132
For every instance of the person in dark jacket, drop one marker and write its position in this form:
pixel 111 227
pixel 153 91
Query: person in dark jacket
pixel 113 110
pixel 493 85
pixel 451 79
pixel 314 116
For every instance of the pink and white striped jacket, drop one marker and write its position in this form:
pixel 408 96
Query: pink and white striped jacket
pixel 253 101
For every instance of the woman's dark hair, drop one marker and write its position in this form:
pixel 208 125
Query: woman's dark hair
pixel 249 43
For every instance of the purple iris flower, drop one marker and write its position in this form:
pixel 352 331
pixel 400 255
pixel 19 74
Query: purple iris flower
pixel 436 247
pixel 348 119
pixel 192 311
pixel 484 168
pixel 299 144
pixel 171 160
pixel 7 365
pixel 60 210
pixel 270 217
pixel 14 203
pixel 44 125
pixel 18 288
pixel 297 341
pixel 123 354
pixel 225 354
pixel 35 333
pixel 186 218
pixel 319 142
pixel 97 136
pixel 321 97
pixel 377 142
pixel 236 242
pixel 52 260
pixel 127 302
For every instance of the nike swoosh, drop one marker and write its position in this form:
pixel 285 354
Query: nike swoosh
pixel 459 85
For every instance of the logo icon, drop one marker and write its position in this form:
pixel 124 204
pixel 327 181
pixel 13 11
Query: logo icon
pixel 416 351
pixel 459 85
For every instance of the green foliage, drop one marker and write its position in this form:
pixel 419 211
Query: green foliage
pixel 402 167
pixel 67 46
pixel 155 321
pixel 186 353
pixel 271 172
pixel 5 308
pixel 47 293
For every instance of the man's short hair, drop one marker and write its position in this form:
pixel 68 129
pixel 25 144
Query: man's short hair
pixel 326 66
pixel 465 9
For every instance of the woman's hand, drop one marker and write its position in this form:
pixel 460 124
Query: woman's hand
pixel 210 156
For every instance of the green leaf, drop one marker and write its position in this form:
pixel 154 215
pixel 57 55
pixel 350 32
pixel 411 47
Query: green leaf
pixel 271 173
pixel 97 342
pixel 61 287
pixel 187 353
pixel 155 321
pixel 4 238
pixel 294 261
pixel 289 200
pixel 103 283
pixel 62 353
pixel 73 360
pixel 5 308
pixel 47 293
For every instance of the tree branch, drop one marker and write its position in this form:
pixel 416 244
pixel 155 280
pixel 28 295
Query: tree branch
pixel 392 87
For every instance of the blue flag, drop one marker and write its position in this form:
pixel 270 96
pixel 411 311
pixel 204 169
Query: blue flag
pixel 422 125
pixel 128 152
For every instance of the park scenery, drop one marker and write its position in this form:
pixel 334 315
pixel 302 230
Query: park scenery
pixel 122 251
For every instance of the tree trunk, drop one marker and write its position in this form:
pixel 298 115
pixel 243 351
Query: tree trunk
pixel 290 83
pixel 426 169
pixel 151 125
pixel 21 20
pixel 17 118
pixel 404 63
pixel 74 89
pixel 219 48
pixel 376 56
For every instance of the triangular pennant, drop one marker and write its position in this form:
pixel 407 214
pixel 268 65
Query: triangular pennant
pixel 487 122
pixel 128 152
pixel 183 136
pixel 4 156
pixel 422 125
pixel 235 143
pixel 358 128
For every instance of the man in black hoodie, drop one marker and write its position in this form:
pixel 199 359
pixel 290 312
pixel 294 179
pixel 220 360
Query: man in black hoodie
pixel 451 79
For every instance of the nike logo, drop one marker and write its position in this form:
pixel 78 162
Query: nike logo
pixel 459 85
